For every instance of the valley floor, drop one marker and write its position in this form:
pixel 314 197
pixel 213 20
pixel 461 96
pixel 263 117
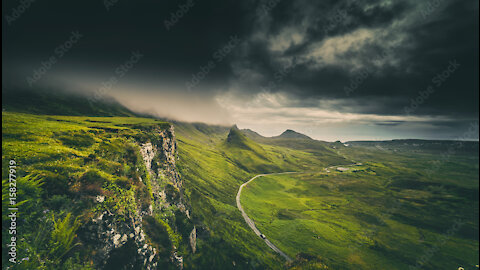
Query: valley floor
pixel 372 216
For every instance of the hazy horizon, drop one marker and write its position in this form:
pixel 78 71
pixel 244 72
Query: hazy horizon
pixel 335 71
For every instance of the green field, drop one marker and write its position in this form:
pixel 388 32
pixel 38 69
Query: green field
pixel 388 213
pixel 385 214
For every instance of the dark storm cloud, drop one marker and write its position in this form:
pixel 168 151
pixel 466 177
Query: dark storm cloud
pixel 405 46
pixel 371 57
pixel 390 123
pixel 111 35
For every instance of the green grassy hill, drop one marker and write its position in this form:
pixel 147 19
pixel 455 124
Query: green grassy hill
pixel 324 151
pixel 325 220
pixel 252 134
pixel 56 102
pixel 237 139
pixel 70 170
pixel 291 134
pixel 247 154
pixel 64 162
pixel 214 162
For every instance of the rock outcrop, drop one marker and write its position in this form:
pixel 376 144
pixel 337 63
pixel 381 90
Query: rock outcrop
pixel 123 242
pixel 193 239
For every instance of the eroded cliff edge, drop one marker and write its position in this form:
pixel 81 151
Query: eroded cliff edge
pixel 157 232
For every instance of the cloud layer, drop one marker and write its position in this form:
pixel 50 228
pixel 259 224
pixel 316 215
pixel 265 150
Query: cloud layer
pixel 361 67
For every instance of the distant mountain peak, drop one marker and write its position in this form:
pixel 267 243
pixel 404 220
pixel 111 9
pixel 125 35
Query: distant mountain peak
pixel 292 134
pixel 235 136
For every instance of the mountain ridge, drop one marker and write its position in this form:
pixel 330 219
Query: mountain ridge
pixel 292 134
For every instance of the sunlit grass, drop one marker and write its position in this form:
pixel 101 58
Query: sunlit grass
pixel 360 220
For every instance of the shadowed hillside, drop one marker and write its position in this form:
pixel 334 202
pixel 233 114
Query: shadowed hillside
pixel 237 139
pixel 41 101
pixel 246 153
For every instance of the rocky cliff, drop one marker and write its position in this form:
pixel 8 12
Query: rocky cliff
pixel 157 233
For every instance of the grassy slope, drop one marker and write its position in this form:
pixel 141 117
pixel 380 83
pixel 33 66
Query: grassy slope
pixel 213 168
pixel 59 150
pixel 353 221
pixel 63 162
pixel 321 150
pixel 63 150
pixel 55 102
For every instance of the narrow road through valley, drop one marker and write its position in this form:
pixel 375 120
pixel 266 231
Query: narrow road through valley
pixel 250 221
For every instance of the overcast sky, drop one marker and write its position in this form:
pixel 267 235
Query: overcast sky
pixel 331 69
